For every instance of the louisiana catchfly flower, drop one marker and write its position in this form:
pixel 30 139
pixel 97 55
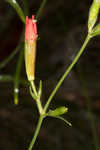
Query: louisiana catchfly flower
pixel 30 47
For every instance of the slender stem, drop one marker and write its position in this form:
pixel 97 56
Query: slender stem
pixel 6 78
pixel 41 8
pixel 36 132
pixel 18 9
pixel 9 58
pixel 14 52
pixel 67 72
pixel 17 77
pixel 40 108
pixel 33 87
pixel 38 102
pixel 9 78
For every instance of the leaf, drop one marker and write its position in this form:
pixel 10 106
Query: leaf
pixel 40 89
pixel 96 30
pixel 61 118
pixel 32 94
pixel 18 9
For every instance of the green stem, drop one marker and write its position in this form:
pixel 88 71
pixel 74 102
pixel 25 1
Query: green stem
pixel 33 87
pixel 67 72
pixel 9 58
pixel 6 78
pixel 17 76
pixel 9 78
pixel 14 52
pixel 41 8
pixel 36 132
pixel 40 108
pixel 18 9
pixel 38 102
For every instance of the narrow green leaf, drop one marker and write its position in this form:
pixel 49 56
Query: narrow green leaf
pixel 5 78
pixel 18 9
pixel 40 89
pixel 96 30
pixel 61 118
pixel 32 94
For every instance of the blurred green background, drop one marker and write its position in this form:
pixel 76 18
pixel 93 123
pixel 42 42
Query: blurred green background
pixel 62 28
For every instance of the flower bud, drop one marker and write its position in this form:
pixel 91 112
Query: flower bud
pixel 96 30
pixel 30 47
pixel 58 111
pixel 93 14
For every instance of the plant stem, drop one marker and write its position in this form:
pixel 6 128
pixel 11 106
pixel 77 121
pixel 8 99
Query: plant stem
pixel 41 8
pixel 38 102
pixel 9 58
pixel 18 9
pixel 67 72
pixel 40 109
pixel 36 132
pixel 9 78
pixel 6 78
pixel 33 87
pixel 14 52
pixel 55 90
pixel 17 76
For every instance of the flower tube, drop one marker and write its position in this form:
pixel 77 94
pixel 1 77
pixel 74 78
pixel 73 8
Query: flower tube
pixel 30 47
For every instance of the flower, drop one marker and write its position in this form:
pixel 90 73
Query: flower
pixel 30 47
pixel 31 30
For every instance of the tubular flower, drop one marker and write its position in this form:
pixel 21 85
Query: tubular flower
pixel 30 47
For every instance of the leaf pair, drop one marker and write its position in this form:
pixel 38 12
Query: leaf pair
pixel 96 30
pixel 39 93
pixel 58 112
pixel 93 16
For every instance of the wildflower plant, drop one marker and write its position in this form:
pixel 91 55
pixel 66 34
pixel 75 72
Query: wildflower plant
pixel 31 35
